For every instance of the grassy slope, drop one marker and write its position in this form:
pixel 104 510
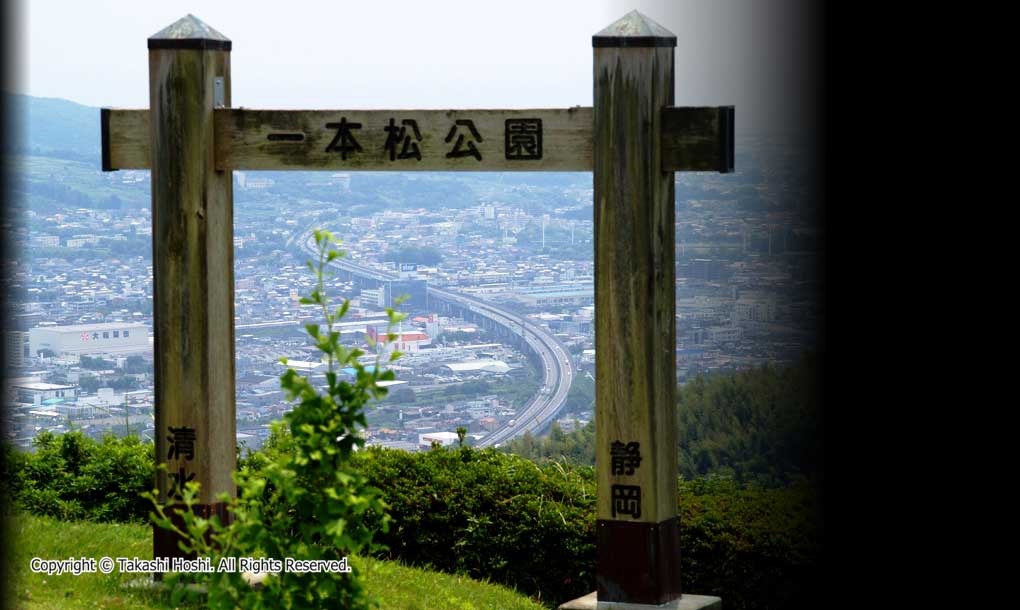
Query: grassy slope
pixel 398 587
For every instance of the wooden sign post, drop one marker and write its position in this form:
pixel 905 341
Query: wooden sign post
pixel 638 533
pixel 193 269
pixel 632 140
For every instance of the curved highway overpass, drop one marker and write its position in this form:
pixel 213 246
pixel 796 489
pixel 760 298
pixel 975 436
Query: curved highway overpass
pixel 545 350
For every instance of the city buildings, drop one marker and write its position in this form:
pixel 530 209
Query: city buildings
pixel 746 289
pixel 87 339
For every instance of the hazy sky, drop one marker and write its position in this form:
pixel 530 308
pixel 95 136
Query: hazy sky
pixel 755 54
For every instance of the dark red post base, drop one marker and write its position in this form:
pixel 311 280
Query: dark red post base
pixel 638 563
pixel 165 542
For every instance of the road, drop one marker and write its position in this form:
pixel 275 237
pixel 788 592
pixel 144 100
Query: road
pixel 557 370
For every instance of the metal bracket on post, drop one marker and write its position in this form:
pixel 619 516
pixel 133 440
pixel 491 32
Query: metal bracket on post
pixel 219 97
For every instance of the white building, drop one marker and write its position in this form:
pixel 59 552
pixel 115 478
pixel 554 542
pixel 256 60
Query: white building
pixel 567 424
pixel 481 365
pixel 433 326
pixel 410 342
pixel 755 310
pixel 247 182
pixel 724 334
pixel 36 393
pixel 80 241
pixel 45 241
pixel 373 297
pixel 102 402
pixel 87 339
pixel 343 181
pixel 443 438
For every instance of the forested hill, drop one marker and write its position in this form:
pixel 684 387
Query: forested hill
pixel 53 127
pixel 758 425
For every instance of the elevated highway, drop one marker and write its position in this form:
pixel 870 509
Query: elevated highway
pixel 543 349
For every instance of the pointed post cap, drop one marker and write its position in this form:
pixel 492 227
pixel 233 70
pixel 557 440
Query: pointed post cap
pixel 189 32
pixel 634 30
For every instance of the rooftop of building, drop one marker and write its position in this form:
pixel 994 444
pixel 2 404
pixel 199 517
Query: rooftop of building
pixel 41 387
pixel 81 328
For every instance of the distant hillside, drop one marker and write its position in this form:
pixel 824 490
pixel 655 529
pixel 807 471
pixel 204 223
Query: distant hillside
pixel 54 127
pixel 761 424
pixel 55 145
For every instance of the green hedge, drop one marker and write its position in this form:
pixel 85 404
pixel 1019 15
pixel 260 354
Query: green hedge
pixel 756 548
pixel 73 477
pixel 498 516
pixel 489 515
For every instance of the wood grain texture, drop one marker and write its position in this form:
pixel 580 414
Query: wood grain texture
pixel 193 295
pixel 694 139
pixel 243 140
pixel 635 328
pixel 126 140
pixel 690 140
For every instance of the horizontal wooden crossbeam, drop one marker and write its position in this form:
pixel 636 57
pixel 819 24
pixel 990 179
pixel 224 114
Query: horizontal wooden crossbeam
pixel 698 139
pixel 428 140
pixel 693 139
pixel 125 136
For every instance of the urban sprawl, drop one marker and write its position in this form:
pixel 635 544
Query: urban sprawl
pixel 79 339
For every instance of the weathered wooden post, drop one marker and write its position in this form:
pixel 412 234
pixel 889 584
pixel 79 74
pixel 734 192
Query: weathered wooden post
pixel 193 268
pixel 638 532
